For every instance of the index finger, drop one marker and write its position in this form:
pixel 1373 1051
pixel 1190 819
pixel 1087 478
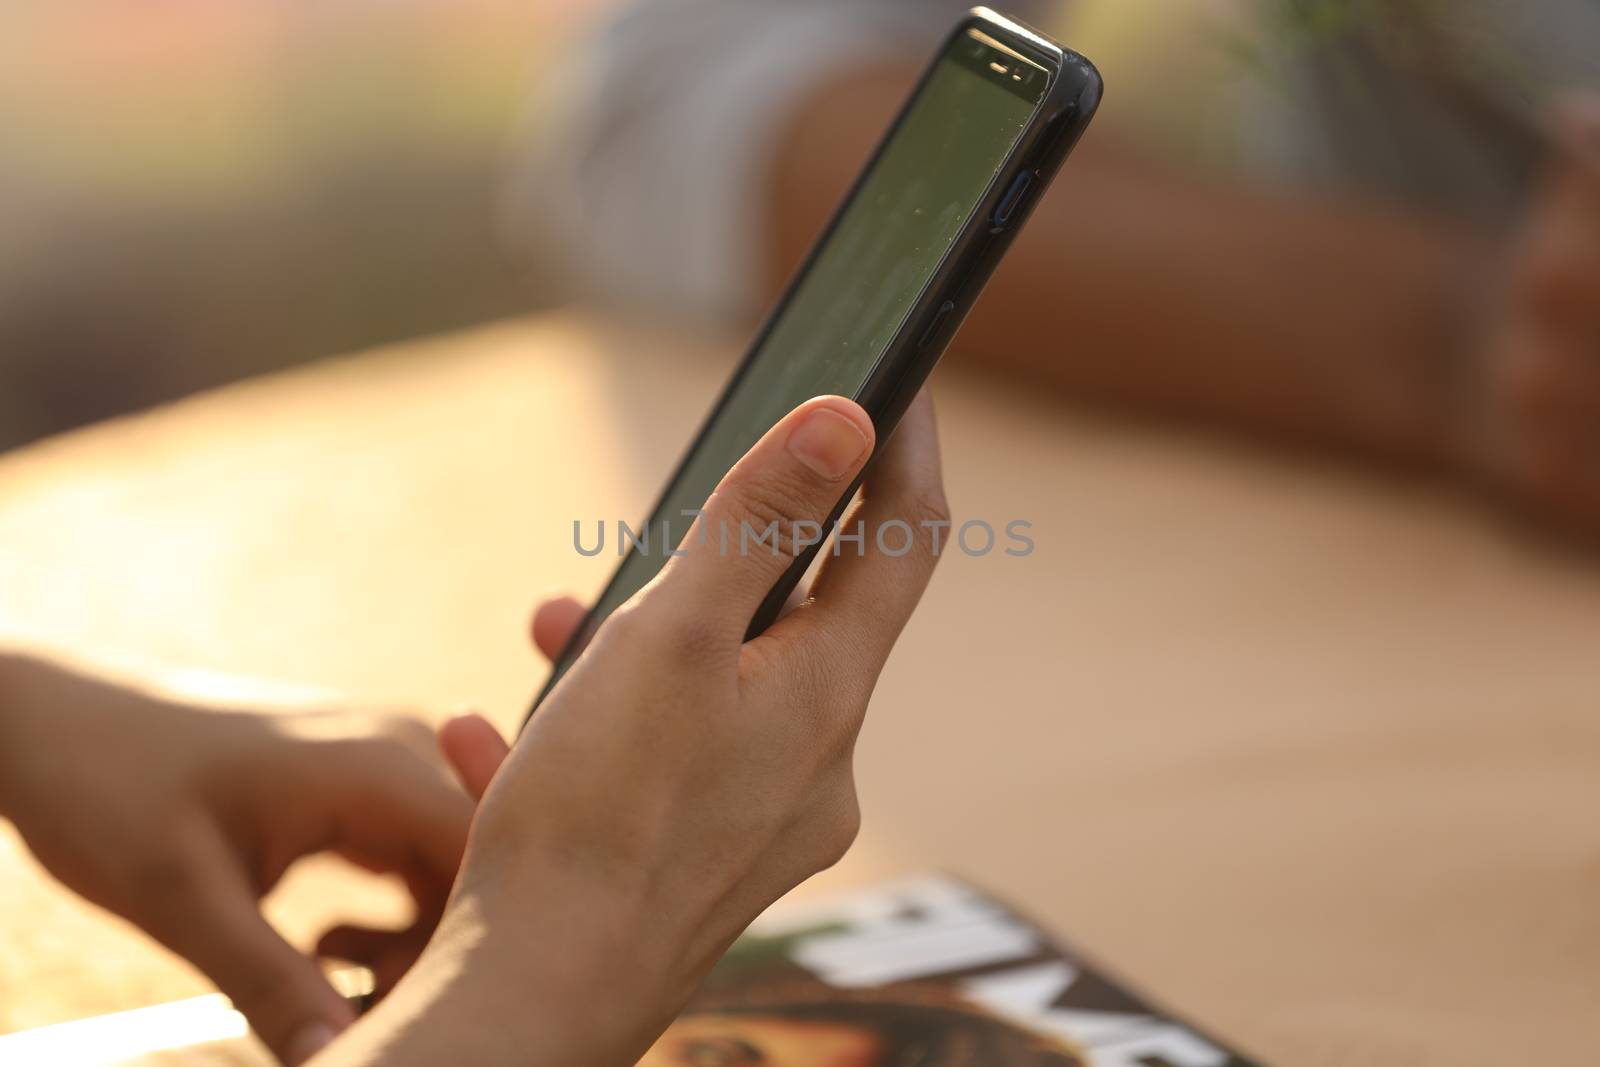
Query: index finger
pixel 866 591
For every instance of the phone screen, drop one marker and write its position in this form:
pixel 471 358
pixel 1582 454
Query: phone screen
pixel 886 246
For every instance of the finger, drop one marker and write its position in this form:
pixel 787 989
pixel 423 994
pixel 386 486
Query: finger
pixel 207 913
pixel 748 534
pixel 867 589
pixel 396 811
pixel 474 749
pixel 554 623
pixel 388 954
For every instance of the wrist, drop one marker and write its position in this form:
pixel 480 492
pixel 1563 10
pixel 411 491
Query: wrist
pixel 609 965
pixel 558 979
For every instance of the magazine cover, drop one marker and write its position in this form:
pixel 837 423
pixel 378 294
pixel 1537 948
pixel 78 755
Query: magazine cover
pixel 928 972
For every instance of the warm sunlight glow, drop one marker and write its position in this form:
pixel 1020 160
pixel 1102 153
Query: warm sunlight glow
pixel 119 1038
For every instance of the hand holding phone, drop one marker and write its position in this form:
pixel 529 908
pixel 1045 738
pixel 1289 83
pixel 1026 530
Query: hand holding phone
pixel 891 278
pixel 679 780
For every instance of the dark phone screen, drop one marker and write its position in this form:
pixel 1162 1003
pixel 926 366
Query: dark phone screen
pixel 862 285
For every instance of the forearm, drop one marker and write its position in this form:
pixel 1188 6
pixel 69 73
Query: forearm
pixel 1331 323
pixel 1322 322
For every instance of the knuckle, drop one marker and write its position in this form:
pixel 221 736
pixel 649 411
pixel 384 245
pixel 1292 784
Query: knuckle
pixel 627 625
pixel 669 635
pixel 769 511
pixel 389 749
pixel 368 763
pixel 408 732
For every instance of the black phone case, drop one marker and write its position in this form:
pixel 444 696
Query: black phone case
pixel 1070 102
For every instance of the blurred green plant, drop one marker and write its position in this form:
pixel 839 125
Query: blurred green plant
pixel 1431 43
pixel 1278 29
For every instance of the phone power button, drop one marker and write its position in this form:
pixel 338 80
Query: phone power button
pixel 1006 210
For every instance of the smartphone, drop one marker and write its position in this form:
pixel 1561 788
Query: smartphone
pixel 893 275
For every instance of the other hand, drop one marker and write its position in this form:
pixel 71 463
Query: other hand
pixel 180 817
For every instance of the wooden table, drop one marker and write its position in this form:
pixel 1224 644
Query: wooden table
pixel 1314 758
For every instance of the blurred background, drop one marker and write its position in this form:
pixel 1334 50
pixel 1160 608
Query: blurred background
pixel 195 191
pixel 1277 719
pixel 1334 202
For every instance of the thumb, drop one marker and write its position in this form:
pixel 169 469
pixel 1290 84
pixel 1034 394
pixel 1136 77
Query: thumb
pixel 209 915
pixel 768 509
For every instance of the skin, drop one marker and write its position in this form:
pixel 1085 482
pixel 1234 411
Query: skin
pixel 678 780
pixel 1325 323
pixel 180 815
pixel 675 784
pixel 1540 429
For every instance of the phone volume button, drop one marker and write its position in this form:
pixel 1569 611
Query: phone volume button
pixel 1006 210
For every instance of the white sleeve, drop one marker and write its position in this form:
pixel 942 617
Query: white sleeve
pixel 643 178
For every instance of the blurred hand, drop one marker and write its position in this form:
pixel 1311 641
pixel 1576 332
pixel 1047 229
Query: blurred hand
pixel 678 780
pixel 1541 426
pixel 471 743
pixel 179 818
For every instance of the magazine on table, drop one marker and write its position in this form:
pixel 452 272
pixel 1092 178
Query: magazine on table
pixel 925 972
